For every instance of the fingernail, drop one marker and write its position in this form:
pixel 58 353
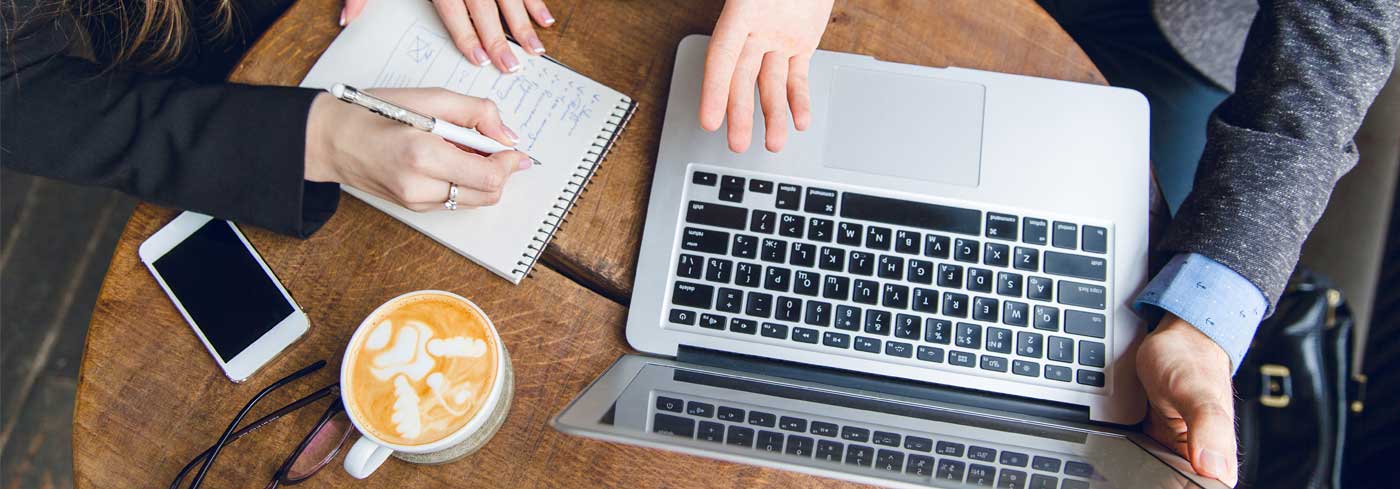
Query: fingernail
pixel 511 134
pixel 534 44
pixel 479 56
pixel 342 17
pixel 512 64
pixel 548 17
pixel 524 164
pixel 1214 463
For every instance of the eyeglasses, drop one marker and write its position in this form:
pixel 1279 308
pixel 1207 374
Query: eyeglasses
pixel 316 449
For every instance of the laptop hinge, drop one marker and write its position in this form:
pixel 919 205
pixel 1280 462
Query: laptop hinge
pixel 882 384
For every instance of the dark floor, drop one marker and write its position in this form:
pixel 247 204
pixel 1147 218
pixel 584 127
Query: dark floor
pixel 56 240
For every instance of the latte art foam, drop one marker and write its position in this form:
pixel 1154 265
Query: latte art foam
pixel 423 370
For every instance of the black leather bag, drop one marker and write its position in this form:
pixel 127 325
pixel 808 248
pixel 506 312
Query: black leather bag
pixel 1294 390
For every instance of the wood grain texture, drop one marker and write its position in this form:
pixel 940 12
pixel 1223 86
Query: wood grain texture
pixel 630 46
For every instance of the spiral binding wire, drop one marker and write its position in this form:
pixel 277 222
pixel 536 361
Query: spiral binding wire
pixel 577 184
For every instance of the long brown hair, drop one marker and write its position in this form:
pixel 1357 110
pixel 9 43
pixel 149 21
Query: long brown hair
pixel 152 33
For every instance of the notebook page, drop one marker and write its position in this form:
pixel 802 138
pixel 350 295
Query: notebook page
pixel 558 114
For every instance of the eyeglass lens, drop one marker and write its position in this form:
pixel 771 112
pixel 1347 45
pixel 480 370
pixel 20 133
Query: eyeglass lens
pixel 324 443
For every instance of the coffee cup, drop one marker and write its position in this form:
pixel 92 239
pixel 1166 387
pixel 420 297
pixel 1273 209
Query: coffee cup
pixel 425 378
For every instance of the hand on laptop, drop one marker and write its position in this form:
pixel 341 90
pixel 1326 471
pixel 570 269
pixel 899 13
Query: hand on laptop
pixel 1187 379
pixel 476 29
pixel 407 166
pixel 768 42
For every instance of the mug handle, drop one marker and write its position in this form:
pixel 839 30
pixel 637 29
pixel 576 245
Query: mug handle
pixel 364 457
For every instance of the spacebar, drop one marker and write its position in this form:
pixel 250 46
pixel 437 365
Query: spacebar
pixel 911 214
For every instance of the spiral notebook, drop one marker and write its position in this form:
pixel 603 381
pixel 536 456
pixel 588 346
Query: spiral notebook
pixel 565 120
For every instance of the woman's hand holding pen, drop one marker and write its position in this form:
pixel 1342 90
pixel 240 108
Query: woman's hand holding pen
pixel 475 26
pixel 401 164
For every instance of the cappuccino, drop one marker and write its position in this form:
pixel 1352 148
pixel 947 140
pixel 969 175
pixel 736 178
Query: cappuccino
pixel 422 370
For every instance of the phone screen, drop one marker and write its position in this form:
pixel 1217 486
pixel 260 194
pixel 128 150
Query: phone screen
pixel 231 299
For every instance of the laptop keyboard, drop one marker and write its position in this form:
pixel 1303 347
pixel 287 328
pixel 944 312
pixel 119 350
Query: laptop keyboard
pixel 918 455
pixel 843 270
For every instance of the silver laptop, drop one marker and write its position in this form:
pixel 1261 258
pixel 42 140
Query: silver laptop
pixel 930 286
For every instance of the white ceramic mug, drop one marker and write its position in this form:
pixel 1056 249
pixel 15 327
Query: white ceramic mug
pixel 369 452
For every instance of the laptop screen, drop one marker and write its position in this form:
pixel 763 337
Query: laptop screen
pixel 853 435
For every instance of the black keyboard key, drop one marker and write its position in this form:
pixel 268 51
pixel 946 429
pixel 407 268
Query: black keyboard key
pixel 836 340
pixel 1025 368
pixel 1057 372
pixel 994 363
pixel 962 359
pixel 748 274
pixel 955 305
pixel 1011 479
pixel 804 335
pixel 907 326
pixel 1014 459
pixel 788 309
pixel 1060 349
pixel 1074 484
pixel 877 238
pixel 1039 288
pixel 773 330
pixel 759 305
pixel 868 345
pixel 1085 323
pixel 1089 377
pixel 792 423
pixel 822 428
pixel 998 340
pixel 1009 284
pixel 950 449
pixel 829 450
pixel 688 294
pixel 905 213
pixel 891 267
pixel 979 280
pixel 760 418
pixel 770 441
pixel 890 460
pixel 1082 295
pixel 800 446
pixel 834 287
pixel 820 201
pixel 740 436
pixel 918 443
pixel 806 283
pixel 717 215
pixel 848 318
pixel 803 255
pixel 877 322
pixel 703 178
pixel 776 279
pixel 936 246
pixel 1095 239
pixel 710 431
pixel 1001 226
pixel 925 300
pixel 950 275
pixel 712 321
pixel 860 455
pixel 1042 481
pixel 773 250
pixel 966 250
pixel 899 349
pixel 1065 235
pixel 818 313
pixel 1047 464
pixel 708 241
pixel 670 404
pixel 982 454
pixel 1015 313
pixel 673 425
pixel 1027 259
pixel 718 270
pixel 950 470
pixel 763 221
pixel 760 186
pixel 1078 266
pixel 849 234
pixel 788 197
pixel 743 326
pixel 733 415
pixel 832 259
pixel 894 296
pixel 865 291
pixel 1029 344
pixel 690 266
pixel 852 433
pixel 819 229
pixel 682 316
pixel 1091 353
pixel 938 331
pixel 920 271
pixel 1047 318
pixel 745 246
pixel 920 465
pixel 907 242
pixel 996 254
pixel 1079 469
pixel 981 475
pixel 729 300
pixel 792 226
pixel 861 263
pixel 931 354
pixel 985 309
pixel 1034 231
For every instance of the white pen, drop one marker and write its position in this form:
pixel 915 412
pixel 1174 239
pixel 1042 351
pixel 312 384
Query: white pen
pixel 447 130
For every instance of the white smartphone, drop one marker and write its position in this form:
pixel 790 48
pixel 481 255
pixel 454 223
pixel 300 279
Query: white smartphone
pixel 239 310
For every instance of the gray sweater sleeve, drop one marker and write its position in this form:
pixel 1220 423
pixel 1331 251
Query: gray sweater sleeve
pixel 1276 147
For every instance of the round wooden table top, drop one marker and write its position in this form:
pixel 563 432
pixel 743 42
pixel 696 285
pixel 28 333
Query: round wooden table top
pixel 149 397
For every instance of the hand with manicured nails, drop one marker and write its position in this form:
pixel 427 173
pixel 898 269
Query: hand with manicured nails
pixel 768 42
pixel 399 163
pixel 1187 379
pixel 475 26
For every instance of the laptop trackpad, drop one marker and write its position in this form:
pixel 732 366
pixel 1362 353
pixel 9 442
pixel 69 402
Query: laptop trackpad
pixel 905 126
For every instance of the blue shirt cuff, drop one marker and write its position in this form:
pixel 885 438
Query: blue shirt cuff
pixel 1219 302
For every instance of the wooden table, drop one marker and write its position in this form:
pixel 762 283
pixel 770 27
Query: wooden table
pixel 149 398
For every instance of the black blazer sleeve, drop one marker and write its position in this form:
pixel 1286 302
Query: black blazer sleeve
pixel 232 151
